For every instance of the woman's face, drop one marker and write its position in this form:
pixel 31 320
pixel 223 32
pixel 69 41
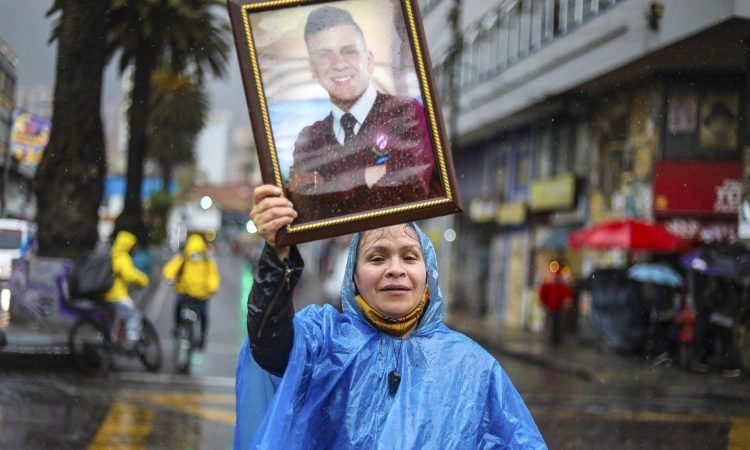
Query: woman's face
pixel 391 274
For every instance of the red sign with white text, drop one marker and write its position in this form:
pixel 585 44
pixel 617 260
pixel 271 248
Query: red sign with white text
pixel 697 188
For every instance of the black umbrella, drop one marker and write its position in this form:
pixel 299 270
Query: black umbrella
pixel 728 260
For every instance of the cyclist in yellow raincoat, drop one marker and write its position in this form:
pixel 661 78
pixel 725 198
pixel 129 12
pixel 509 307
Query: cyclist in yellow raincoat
pixel 117 297
pixel 195 276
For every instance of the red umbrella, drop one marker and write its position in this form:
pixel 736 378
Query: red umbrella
pixel 626 234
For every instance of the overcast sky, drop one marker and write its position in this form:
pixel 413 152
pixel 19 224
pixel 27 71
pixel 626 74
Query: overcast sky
pixel 25 28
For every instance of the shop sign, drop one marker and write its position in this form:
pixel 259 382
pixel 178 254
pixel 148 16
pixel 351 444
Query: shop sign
pixel 482 210
pixel 511 213
pixel 697 188
pixel 554 193
pixel 702 231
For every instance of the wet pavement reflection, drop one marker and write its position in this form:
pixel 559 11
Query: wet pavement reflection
pixel 131 409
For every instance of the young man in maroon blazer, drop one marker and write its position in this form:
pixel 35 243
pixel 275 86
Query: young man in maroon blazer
pixel 373 150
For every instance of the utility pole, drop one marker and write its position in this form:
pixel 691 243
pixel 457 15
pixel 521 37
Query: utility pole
pixel 454 68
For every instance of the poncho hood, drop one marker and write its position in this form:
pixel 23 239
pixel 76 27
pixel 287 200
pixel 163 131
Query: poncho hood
pixel 336 391
pixel 434 314
pixel 194 244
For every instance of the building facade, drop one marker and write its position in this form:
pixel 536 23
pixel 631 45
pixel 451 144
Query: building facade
pixel 571 112
pixel 8 62
pixel 212 151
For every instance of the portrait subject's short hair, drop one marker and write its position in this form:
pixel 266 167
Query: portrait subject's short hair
pixel 328 17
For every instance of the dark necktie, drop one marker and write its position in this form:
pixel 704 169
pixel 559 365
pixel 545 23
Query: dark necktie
pixel 347 123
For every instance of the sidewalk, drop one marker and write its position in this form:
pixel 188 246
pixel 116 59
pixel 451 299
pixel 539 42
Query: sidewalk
pixel 600 365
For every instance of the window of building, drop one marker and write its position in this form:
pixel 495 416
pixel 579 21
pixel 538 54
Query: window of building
pixel 5 132
pixel 499 164
pixel 702 118
pixel 562 147
pixel 10 86
pixel 523 164
pixel 583 148
pixel 544 161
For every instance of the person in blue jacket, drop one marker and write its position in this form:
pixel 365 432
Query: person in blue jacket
pixel 384 374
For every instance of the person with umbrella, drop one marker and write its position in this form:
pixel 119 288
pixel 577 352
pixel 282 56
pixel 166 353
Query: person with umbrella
pixel 723 300
pixel 659 283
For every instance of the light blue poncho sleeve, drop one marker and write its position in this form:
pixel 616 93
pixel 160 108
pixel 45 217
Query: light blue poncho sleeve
pixel 334 392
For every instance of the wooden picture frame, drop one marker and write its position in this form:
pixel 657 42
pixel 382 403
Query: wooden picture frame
pixel 305 64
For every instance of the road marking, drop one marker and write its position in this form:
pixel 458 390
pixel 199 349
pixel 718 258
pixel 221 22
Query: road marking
pixel 165 378
pixel 126 427
pixel 194 404
pixel 739 434
pixel 154 307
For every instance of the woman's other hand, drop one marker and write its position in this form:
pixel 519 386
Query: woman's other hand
pixel 270 213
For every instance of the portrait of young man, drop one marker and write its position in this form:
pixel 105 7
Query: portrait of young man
pixel 373 150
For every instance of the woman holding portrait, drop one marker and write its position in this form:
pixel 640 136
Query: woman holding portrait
pixel 385 373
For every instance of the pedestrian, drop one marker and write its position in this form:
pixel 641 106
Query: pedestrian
pixel 660 302
pixel 385 373
pixel 683 322
pixel 117 297
pixel 194 275
pixel 556 297
pixel 723 302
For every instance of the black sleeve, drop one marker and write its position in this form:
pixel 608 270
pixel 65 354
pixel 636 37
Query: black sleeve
pixel 270 310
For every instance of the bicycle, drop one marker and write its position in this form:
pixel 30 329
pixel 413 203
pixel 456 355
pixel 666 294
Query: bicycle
pixel 187 335
pixel 98 335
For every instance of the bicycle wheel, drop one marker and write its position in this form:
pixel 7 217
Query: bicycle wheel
pixel 197 332
pixel 149 347
pixel 90 347
pixel 183 346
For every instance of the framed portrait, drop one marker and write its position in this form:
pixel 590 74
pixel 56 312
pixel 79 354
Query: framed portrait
pixel 719 120
pixel 682 113
pixel 345 112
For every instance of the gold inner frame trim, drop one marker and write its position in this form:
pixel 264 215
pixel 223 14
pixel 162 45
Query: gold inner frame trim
pixel 246 10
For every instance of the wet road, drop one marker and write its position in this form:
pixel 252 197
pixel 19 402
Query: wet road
pixel 131 409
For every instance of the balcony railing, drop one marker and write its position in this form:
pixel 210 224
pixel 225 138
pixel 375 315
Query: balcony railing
pixel 510 33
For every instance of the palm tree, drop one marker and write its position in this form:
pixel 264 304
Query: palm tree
pixel 147 32
pixel 69 182
pixel 178 110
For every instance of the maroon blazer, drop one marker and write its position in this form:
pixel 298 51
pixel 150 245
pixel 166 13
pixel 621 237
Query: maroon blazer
pixel 394 134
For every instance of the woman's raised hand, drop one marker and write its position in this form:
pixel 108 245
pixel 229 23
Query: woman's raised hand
pixel 270 213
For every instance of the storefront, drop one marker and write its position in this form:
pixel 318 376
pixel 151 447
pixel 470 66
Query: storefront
pixel 698 200
pixel 557 208
pixel 508 256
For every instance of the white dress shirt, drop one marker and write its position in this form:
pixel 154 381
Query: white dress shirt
pixel 359 110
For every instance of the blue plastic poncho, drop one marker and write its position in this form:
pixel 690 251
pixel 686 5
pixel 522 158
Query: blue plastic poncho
pixel 334 393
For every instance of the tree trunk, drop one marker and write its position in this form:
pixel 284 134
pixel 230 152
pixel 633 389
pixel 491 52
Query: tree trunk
pixel 69 182
pixel 131 218
pixel 166 173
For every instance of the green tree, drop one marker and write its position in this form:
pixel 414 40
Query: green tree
pixel 185 33
pixel 178 112
pixel 69 182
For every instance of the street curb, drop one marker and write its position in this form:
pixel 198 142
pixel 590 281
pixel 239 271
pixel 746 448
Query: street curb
pixel 566 367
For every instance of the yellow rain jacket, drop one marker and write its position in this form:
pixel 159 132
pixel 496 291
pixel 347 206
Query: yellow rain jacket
pixel 122 266
pixel 196 277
